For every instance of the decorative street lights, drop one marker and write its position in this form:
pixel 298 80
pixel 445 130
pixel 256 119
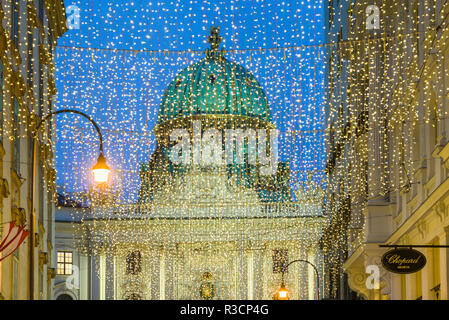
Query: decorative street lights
pixel 100 172
pixel 283 294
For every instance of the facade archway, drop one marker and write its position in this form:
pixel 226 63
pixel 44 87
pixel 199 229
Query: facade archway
pixel 64 296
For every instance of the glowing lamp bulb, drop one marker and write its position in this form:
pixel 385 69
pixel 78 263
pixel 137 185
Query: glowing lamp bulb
pixel 101 170
pixel 282 293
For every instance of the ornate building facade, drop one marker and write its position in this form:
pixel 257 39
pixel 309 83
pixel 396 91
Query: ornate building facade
pixel 337 79
pixel 28 33
pixel 206 229
pixel 388 146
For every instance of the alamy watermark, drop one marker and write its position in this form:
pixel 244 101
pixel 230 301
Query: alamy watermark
pixel 373 280
pixel 73 17
pixel 240 146
pixel 373 17
pixel 73 281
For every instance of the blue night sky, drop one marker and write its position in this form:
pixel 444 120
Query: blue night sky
pixel 117 66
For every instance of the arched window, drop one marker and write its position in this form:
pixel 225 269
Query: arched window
pixel 133 296
pixel 134 262
pixel 64 296
pixel 212 78
pixel 280 260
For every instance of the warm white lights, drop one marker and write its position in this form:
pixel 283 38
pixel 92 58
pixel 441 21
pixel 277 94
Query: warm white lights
pixel 101 170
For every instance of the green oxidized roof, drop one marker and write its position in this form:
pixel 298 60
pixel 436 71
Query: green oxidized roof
pixel 214 86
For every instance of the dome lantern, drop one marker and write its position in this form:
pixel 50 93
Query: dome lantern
pixel 214 39
pixel 214 87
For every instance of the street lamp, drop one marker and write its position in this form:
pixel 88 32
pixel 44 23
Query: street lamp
pixel 283 294
pixel 100 171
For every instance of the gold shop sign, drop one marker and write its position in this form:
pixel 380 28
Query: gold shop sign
pixel 403 260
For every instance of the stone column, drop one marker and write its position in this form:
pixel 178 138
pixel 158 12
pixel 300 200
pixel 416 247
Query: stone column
pixel 155 274
pixel 102 277
pixel 444 264
pixel 240 275
pixel 109 278
pixel 426 274
pixel 98 277
pixel 258 274
pixel 162 274
pixel 95 279
pixel 169 271
pixel 396 287
pixel 250 272
pixel 311 280
pixel 410 284
pixel 84 272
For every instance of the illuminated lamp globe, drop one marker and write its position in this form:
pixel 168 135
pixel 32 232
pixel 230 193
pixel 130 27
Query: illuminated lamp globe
pixel 282 293
pixel 101 170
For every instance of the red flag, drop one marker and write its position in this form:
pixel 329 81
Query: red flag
pixel 13 240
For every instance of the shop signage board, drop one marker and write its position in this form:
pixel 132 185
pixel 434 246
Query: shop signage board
pixel 403 260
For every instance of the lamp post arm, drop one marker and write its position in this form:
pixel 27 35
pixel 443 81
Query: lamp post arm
pixel 285 269
pixel 33 186
pixel 50 115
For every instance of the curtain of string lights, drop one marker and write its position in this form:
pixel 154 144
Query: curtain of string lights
pixel 116 68
pixel 117 65
pixel 122 91
pixel 120 79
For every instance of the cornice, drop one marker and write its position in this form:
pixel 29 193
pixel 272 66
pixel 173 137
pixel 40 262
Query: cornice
pixel 220 122
pixel 419 213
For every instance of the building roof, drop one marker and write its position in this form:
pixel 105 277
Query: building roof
pixel 214 86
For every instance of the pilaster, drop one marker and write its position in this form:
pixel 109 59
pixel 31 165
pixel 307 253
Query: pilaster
pixel 426 274
pixel 155 274
pixel 109 278
pixel 162 274
pixel 250 271
pixel 410 284
pixel 169 271
pixel 444 264
pixel 396 287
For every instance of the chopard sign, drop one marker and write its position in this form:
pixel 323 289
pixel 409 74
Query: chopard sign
pixel 403 261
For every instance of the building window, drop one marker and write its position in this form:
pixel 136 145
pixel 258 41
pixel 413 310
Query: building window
pixel 30 67
pixel 65 262
pixel 134 262
pixel 16 133
pixel 41 10
pixel 15 22
pixel 212 78
pixel 280 260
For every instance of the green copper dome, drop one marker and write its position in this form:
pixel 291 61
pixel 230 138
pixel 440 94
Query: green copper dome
pixel 214 86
